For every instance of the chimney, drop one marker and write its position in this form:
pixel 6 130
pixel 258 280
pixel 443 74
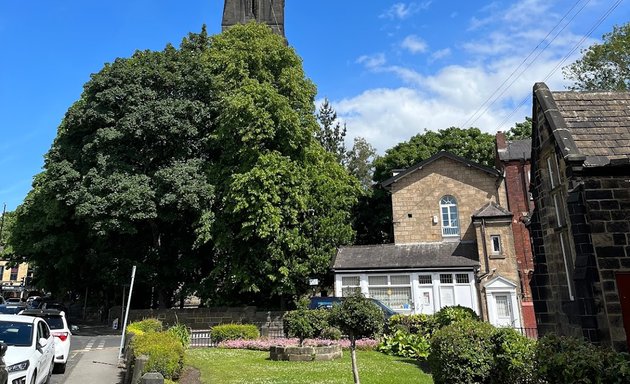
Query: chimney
pixel 501 141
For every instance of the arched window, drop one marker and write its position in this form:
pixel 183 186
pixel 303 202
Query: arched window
pixel 450 218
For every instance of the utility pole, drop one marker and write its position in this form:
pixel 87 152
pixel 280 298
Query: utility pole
pixel 4 211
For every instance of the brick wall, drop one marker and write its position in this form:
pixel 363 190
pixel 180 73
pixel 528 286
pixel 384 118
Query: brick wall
pixel 416 199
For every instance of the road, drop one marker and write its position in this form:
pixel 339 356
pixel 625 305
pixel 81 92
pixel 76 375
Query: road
pixel 93 359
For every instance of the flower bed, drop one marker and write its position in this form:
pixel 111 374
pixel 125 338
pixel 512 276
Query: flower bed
pixel 265 344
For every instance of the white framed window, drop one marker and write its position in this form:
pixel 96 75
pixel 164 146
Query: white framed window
pixel 504 309
pixel 425 279
pixel 495 244
pixel 350 285
pixel 392 290
pixel 450 217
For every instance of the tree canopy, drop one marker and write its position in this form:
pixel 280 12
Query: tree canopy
pixel 470 143
pixel 199 165
pixel 603 66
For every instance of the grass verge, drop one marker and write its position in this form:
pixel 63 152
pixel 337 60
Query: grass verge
pixel 231 366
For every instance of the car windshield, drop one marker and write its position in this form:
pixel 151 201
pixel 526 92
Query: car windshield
pixel 10 309
pixel 54 322
pixel 16 333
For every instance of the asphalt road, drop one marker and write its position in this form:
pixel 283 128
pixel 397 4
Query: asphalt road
pixel 93 359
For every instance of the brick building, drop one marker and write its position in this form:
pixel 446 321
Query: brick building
pixel 513 161
pixel 270 12
pixel 580 226
pixel 453 244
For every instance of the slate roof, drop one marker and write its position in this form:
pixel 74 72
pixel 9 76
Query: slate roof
pixel 407 256
pixel 435 157
pixel 517 150
pixel 593 127
pixel 491 210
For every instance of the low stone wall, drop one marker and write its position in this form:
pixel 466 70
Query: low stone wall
pixel 295 353
pixel 269 322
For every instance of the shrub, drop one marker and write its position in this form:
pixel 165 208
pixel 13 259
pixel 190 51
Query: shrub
pixel 181 332
pixel 330 333
pixel 513 357
pixel 223 332
pixel 405 344
pixel 449 315
pixel 165 352
pixel 462 353
pixel 419 324
pixel 145 326
pixel 570 360
pixel 305 323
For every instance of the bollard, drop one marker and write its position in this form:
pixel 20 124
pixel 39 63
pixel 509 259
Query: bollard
pixel 152 378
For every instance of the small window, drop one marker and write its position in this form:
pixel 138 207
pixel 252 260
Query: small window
pixel 503 306
pixel 377 280
pixel 462 278
pixel 425 279
pixel 350 280
pixel 14 273
pixel 446 278
pixel 496 244
pixel 400 279
pixel 450 219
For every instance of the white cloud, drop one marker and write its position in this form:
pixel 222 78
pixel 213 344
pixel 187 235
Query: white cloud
pixel 372 61
pixel 402 10
pixel 440 54
pixel 414 44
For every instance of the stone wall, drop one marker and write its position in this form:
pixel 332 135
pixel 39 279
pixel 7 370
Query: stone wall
pixel 269 322
pixel 416 199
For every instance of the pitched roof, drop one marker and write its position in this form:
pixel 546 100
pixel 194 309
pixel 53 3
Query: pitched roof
pixel 491 210
pixel 593 127
pixel 516 150
pixel 420 256
pixel 439 155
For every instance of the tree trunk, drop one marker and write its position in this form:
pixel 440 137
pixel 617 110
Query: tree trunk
pixel 353 355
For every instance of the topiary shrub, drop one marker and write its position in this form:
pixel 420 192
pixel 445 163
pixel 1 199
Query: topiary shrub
pixel 570 360
pixel 223 332
pixel 449 315
pixel 181 332
pixel 165 352
pixel 145 326
pixel 330 333
pixel 514 357
pixel 462 353
pixel 305 323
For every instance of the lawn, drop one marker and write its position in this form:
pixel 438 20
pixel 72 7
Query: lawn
pixel 231 366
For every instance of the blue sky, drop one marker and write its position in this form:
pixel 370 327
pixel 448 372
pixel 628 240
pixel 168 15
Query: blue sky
pixel 390 68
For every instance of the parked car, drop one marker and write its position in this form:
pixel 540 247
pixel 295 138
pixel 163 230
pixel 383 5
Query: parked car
pixel 327 302
pixel 4 375
pixel 12 308
pixel 60 329
pixel 30 348
pixel 14 300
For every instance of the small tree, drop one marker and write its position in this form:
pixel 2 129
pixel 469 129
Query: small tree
pixel 357 317
pixel 305 324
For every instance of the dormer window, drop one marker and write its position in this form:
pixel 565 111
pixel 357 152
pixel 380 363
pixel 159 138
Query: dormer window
pixel 450 218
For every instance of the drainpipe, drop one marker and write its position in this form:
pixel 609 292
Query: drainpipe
pixel 487 269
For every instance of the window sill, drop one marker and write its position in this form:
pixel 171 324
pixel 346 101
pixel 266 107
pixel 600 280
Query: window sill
pixel 497 256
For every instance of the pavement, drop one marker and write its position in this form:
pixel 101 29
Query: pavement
pixel 97 367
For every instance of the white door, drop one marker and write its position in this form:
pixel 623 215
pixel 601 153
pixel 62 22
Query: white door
pixel 425 301
pixel 503 310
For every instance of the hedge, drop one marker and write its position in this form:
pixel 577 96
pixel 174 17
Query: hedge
pixel 144 326
pixel 224 332
pixel 165 352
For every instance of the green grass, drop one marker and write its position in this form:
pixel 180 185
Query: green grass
pixel 231 366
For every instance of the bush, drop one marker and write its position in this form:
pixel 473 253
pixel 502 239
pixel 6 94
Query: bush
pixel 420 324
pixel 165 352
pixel 513 357
pixel 223 332
pixel 182 333
pixel 305 323
pixel 569 360
pixel 405 344
pixel 145 326
pixel 330 333
pixel 449 315
pixel 462 353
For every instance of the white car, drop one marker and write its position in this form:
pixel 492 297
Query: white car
pixel 58 325
pixel 30 349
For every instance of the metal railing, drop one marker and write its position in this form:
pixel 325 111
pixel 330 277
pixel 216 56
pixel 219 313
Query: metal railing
pixel 200 338
pixel 531 333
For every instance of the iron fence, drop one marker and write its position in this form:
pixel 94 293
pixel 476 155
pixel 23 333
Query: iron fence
pixel 200 338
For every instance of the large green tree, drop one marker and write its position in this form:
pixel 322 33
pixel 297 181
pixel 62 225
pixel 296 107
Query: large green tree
pixel 332 133
pixel 470 143
pixel 284 201
pixel 605 65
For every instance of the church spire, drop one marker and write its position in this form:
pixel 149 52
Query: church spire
pixel 270 12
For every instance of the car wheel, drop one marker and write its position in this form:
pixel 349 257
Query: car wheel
pixel 60 368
